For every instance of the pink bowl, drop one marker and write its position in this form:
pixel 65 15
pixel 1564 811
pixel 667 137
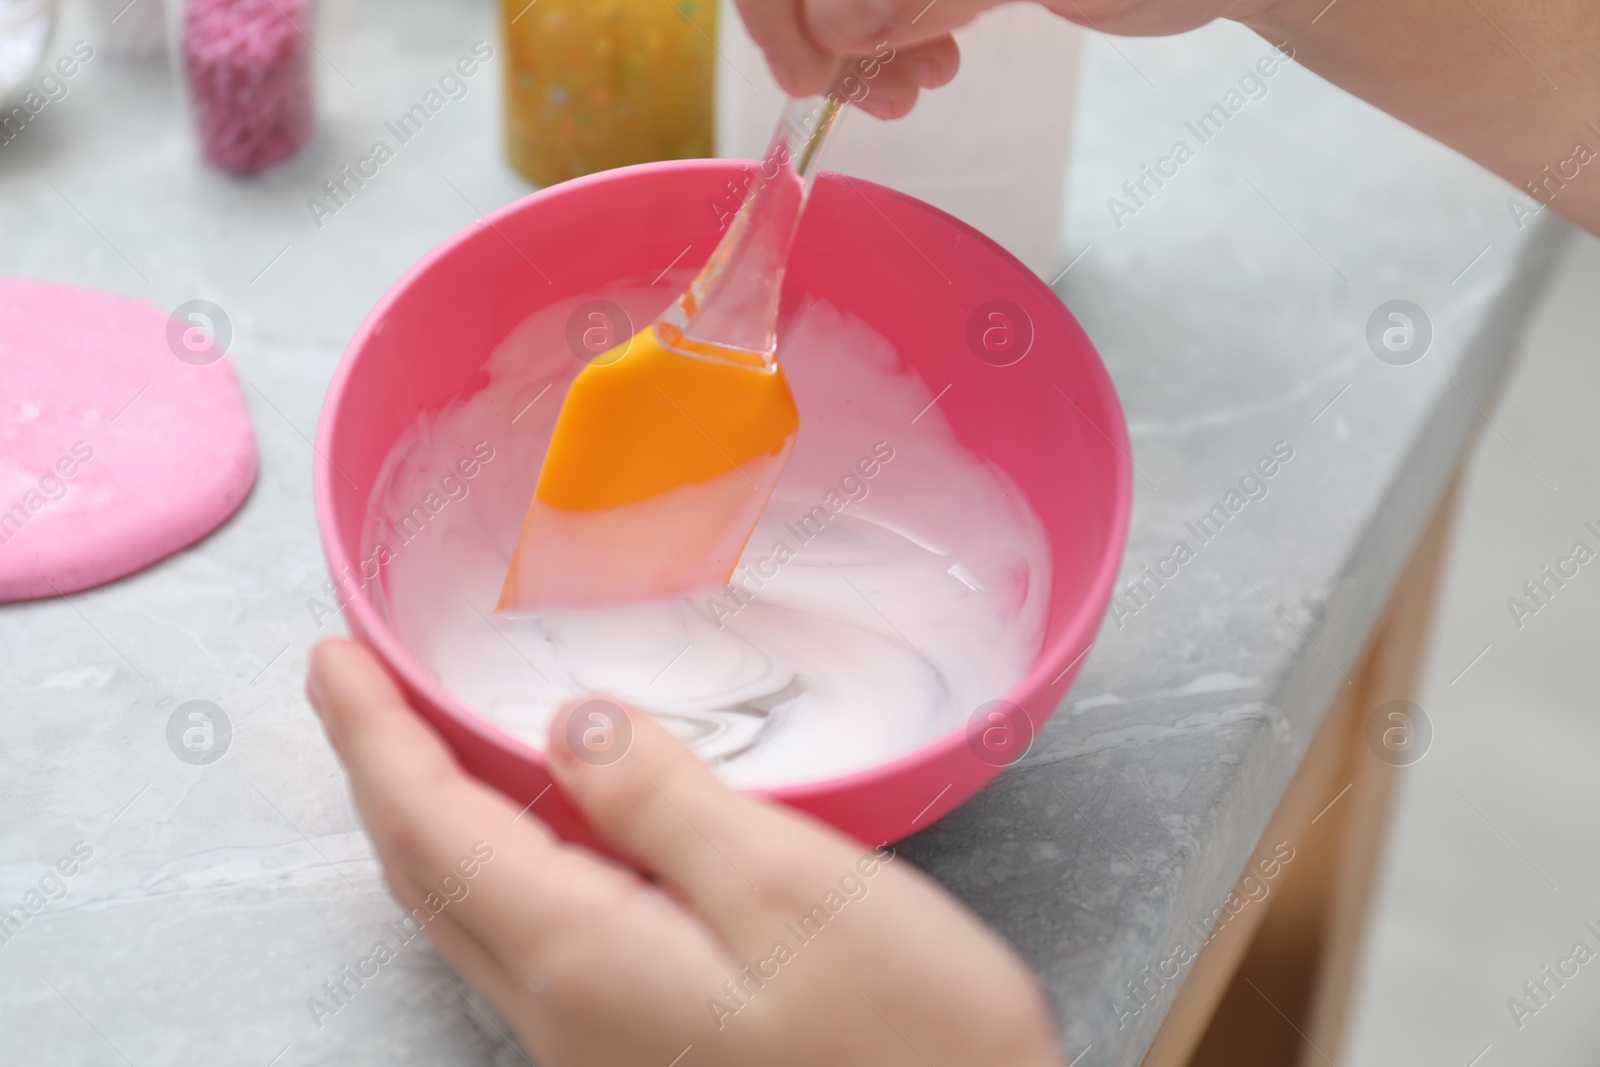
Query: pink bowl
pixel 919 277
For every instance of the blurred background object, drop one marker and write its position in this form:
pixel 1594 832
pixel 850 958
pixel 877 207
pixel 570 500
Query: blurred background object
pixel 246 70
pixel 134 29
pixel 990 148
pixel 595 84
pixel 25 28
pixel 1491 874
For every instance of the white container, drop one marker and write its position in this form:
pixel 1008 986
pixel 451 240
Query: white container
pixel 991 148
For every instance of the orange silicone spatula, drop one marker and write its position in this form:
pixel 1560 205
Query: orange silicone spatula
pixel 667 446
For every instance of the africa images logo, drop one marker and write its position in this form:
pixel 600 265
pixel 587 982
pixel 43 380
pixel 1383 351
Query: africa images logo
pixel 199 732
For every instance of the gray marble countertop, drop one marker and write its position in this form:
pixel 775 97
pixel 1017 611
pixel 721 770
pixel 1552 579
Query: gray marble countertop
pixel 1230 303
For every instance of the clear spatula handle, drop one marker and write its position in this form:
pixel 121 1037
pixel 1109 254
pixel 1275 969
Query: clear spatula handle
pixel 733 302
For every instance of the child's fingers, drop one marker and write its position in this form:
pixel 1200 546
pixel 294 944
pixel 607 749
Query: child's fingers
pixel 856 27
pixel 800 67
pixel 456 944
pixel 737 860
pixel 887 88
pixel 527 894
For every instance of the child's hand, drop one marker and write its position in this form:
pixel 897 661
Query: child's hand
pixel 754 936
pixel 805 40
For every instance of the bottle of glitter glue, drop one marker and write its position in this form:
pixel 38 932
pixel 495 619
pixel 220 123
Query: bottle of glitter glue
pixel 595 84
pixel 246 70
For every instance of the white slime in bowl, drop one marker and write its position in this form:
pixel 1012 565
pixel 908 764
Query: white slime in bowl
pixel 895 584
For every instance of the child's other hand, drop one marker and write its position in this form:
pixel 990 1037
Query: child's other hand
pixel 755 935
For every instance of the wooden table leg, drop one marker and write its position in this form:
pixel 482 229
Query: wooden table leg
pixel 1275 987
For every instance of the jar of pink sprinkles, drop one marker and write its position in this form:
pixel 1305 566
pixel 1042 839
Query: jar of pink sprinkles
pixel 246 67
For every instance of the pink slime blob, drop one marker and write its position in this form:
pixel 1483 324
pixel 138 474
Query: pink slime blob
pixel 247 63
pixel 115 451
